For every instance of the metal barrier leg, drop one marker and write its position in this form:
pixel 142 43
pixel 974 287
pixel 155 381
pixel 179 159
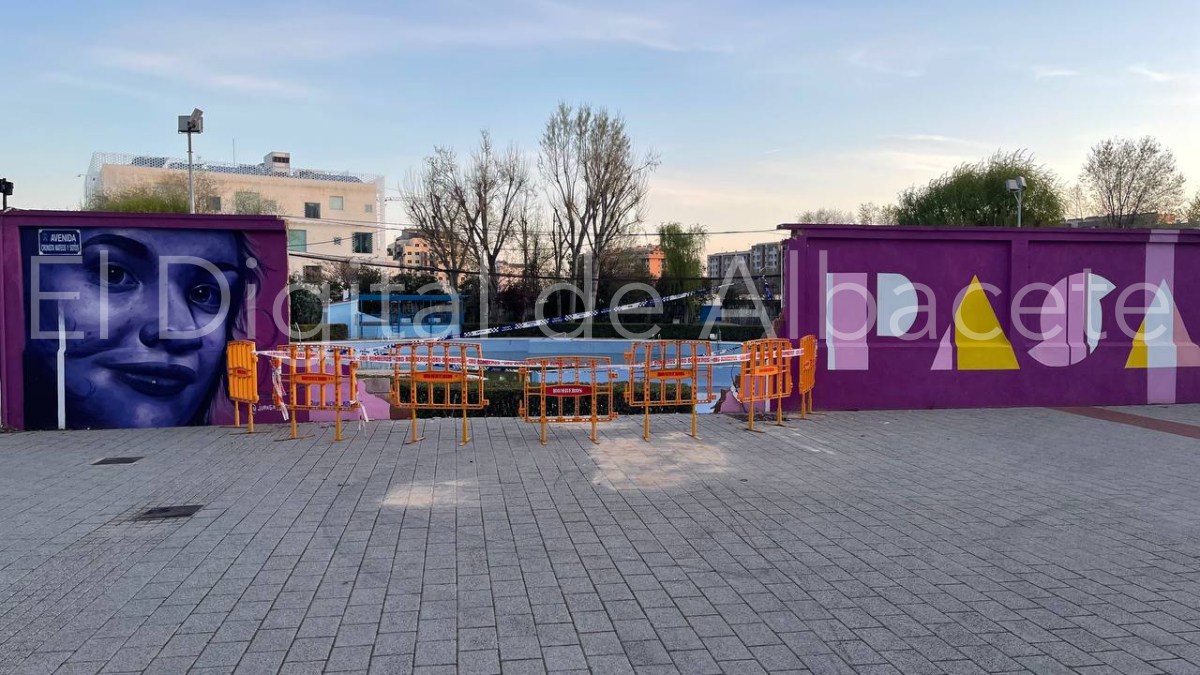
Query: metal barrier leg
pixel 751 415
pixel 694 421
pixel 237 415
pixel 542 407
pixel 294 400
pixel 413 437
pixel 779 412
pixel 646 422
pixel 466 435
pixel 250 416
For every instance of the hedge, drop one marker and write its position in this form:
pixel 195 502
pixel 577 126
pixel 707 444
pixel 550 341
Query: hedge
pixel 504 400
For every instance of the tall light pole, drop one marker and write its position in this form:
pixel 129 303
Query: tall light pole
pixel 191 124
pixel 1017 187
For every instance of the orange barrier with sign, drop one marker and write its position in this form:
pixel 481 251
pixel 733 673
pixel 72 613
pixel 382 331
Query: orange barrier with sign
pixel 668 373
pixel 766 374
pixel 323 378
pixel 241 364
pixel 808 372
pixel 568 389
pixel 438 376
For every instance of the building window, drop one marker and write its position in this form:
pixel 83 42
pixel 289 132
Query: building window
pixel 363 242
pixel 368 208
pixel 298 240
pixel 336 203
pixel 312 210
pixel 312 274
pixel 214 204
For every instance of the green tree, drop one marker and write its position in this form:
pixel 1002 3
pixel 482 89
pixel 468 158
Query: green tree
pixel 306 305
pixel 167 195
pixel 975 194
pixel 683 264
pixel 412 281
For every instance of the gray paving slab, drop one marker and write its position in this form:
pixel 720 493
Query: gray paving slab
pixel 971 541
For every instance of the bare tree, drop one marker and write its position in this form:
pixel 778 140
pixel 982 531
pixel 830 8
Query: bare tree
pixel 1078 203
pixel 1192 212
pixel 491 195
pixel 870 213
pixel 532 246
pixel 1127 177
pixel 429 200
pixel 824 215
pixel 596 184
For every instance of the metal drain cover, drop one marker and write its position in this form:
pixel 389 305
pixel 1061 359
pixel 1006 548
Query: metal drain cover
pixel 115 460
pixel 161 512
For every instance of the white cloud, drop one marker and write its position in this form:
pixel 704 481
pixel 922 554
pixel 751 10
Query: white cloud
pixel 1048 72
pixel 936 139
pixel 197 71
pixel 1152 75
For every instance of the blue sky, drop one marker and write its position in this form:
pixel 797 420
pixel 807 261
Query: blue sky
pixel 758 110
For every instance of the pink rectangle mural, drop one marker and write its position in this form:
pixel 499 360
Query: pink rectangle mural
pixel 961 317
pixel 130 313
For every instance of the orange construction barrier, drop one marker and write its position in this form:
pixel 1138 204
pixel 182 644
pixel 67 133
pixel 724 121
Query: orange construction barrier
pixel 438 376
pixel 568 389
pixel 321 377
pixel 241 364
pixel 766 374
pixel 668 373
pixel 808 372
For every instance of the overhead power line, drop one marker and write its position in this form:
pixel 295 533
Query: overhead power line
pixel 449 270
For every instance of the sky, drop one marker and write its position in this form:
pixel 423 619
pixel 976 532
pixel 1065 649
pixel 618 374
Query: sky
pixel 756 110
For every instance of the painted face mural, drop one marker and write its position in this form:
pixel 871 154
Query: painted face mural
pixel 146 314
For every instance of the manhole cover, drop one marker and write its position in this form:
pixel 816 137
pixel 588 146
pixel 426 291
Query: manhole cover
pixel 160 512
pixel 115 460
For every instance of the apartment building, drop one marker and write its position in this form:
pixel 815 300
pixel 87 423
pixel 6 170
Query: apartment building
pixel 719 264
pixel 331 215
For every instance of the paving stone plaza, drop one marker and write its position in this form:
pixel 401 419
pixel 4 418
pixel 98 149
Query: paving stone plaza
pixel 969 541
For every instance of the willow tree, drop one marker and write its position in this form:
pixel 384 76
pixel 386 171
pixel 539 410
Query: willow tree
pixel 975 194
pixel 683 260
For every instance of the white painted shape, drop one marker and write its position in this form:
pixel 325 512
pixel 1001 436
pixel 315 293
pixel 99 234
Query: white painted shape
pixel 895 296
pixel 1160 330
pixel 1096 288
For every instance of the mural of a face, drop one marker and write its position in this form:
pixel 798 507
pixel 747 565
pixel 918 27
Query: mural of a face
pixel 138 375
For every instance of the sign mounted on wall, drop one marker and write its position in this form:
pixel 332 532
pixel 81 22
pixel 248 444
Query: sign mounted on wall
pixel 59 242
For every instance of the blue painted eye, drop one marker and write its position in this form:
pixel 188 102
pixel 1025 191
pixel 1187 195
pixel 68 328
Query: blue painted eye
pixel 205 296
pixel 115 275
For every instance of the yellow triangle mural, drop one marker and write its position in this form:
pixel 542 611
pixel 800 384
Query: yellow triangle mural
pixel 978 338
pixel 1139 356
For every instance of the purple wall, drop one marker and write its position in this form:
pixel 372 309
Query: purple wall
pixel 911 317
pixel 120 370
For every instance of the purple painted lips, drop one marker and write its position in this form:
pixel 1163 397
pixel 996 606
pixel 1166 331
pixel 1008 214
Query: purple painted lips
pixel 155 379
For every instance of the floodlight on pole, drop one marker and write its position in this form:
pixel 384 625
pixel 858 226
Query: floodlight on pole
pixel 6 190
pixel 191 124
pixel 1017 187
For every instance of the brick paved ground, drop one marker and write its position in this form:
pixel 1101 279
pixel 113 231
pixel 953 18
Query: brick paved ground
pixel 911 542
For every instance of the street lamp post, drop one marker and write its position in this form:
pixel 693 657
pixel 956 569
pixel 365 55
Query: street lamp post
pixel 191 124
pixel 1017 187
